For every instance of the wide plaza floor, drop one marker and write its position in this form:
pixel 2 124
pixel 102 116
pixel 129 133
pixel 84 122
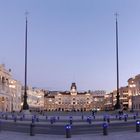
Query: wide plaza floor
pixel 129 135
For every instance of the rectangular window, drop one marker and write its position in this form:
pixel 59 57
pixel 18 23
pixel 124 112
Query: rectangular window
pixel 134 106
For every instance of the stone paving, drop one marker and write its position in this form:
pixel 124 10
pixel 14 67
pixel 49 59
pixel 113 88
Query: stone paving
pixel 129 135
pixel 126 135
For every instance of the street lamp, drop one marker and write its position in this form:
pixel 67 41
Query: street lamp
pixel 25 104
pixel 132 86
pixel 117 105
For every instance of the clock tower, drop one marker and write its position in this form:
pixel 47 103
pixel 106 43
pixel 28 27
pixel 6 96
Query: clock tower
pixel 73 89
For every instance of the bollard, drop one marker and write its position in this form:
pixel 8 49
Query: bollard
pixel 46 117
pixel 125 118
pixel 134 117
pixel 120 117
pixel 15 119
pixel 137 114
pixel 13 115
pixel 37 119
pixel 116 116
pixel 58 118
pixel 108 119
pixel 6 117
pixel 0 126
pixel 21 118
pixel 51 121
pixel 105 129
pixel 82 117
pixel 33 120
pixel 138 126
pixel 93 113
pixel 89 120
pixel 54 119
pixel 68 131
pixel 70 117
pixel 70 122
pixel 32 131
pixel 104 119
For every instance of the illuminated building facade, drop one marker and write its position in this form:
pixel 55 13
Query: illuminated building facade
pixel 134 92
pixel 110 99
pixel 98 99
pixel 35 98
pixel 71 100
pixel 10 91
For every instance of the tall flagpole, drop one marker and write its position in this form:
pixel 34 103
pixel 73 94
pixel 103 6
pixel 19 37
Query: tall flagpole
pixel 117 105
pixel 25 104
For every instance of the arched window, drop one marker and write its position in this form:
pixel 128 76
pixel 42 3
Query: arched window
pixel 3 80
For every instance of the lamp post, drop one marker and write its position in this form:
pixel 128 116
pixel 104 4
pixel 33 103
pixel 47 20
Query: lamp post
pixel 25 104
pixel 132 86
pixel 117 105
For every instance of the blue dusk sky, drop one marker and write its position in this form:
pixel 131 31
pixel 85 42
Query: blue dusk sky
pixel 71 41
